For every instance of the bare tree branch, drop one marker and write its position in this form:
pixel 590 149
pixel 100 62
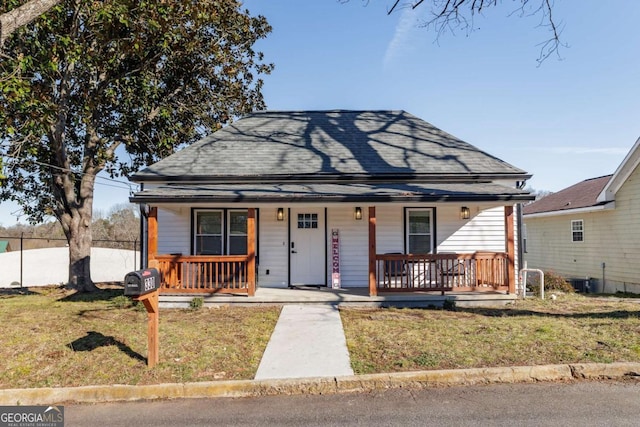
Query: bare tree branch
pixel 451 15
pixel 393 7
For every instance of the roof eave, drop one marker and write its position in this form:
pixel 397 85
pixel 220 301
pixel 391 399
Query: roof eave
pixel 620 176
pixel 587 209
pixel 327 178
pixel 515 198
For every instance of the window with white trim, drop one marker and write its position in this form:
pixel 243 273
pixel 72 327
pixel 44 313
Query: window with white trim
pixel 220 232
pixel 208 233
pixel 577 230
pixel 237 233
pixel 419 231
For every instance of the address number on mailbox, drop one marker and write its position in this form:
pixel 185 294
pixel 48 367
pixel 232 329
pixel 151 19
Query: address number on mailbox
pixel 149 284
pixel 141 282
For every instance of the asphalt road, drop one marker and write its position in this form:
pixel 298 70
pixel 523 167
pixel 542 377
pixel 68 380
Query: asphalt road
pixel 576 404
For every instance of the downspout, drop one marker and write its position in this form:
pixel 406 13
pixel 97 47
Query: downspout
pixel 144 259
pixel 520 185
pixel 520 241
pixel 144 231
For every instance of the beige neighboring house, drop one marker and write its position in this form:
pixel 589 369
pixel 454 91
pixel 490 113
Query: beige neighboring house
pixel 590 230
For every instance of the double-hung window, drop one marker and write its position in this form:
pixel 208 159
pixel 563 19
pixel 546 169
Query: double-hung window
pixel 220 232
pixel 237 233
pixel 419 231
pixel 208 233
pixel 577 230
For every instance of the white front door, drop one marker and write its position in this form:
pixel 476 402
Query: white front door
pixel 307 247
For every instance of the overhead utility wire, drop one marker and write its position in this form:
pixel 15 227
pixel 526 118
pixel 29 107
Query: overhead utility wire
pixel 126 186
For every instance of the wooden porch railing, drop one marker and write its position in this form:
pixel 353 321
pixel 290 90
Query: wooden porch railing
pixel 480 271
pixel 206 274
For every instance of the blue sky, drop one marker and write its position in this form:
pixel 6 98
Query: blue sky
pixel 564 121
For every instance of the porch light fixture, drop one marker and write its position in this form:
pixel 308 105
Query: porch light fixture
pixel 280 214
pixel 465 212
pixel 357 213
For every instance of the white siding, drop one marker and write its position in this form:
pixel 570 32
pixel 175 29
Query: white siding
pixel 389 228
pixel 273 250
pixel 174 236
pixel 483 232
pixel 174 228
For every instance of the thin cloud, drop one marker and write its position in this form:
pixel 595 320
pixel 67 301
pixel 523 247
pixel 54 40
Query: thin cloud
pixel 403 37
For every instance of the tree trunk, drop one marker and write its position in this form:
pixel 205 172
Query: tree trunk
pixel 79 238
pixel 16 18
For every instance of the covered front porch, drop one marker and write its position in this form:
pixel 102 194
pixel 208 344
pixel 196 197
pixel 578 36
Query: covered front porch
pixel 352 297
pixel 457 272
pixel 437 274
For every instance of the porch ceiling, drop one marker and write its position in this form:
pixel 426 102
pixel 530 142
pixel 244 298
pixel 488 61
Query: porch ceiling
pixel 353 192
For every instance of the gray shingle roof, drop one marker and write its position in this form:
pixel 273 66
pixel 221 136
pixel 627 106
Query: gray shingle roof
pixel 270 146
pixel 351 192
pixel 581 195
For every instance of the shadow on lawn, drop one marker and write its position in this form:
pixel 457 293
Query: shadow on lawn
pixel 511 312
pixel 94 340
pixel 14 292
pixel 106 292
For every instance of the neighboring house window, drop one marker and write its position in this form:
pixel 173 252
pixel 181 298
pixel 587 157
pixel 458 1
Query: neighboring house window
pixel 419 231
pixel 577 230
pixel 220 232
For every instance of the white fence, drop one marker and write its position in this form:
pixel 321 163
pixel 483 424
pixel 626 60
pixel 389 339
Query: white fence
pixel 50 266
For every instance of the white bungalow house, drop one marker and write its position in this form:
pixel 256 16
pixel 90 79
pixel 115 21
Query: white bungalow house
pixel 374 199
pixel 591 230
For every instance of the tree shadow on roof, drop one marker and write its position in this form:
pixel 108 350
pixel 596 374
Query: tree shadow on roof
pixel 315 143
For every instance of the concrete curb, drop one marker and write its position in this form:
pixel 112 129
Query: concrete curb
pixel 324 385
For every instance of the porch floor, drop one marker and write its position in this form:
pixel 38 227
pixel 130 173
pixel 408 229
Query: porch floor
pixel 343 296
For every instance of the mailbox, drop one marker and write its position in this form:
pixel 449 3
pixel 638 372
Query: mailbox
pixel 141 282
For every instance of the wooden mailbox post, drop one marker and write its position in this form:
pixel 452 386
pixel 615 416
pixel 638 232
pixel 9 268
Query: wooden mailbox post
pixel 144 285
pixel 150 302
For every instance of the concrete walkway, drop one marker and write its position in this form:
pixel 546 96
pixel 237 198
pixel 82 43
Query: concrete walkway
pixel 308 341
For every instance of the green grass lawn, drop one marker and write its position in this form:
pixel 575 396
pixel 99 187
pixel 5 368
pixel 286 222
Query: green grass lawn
pixel 573 328
pixel 52 337
pixel 55 338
